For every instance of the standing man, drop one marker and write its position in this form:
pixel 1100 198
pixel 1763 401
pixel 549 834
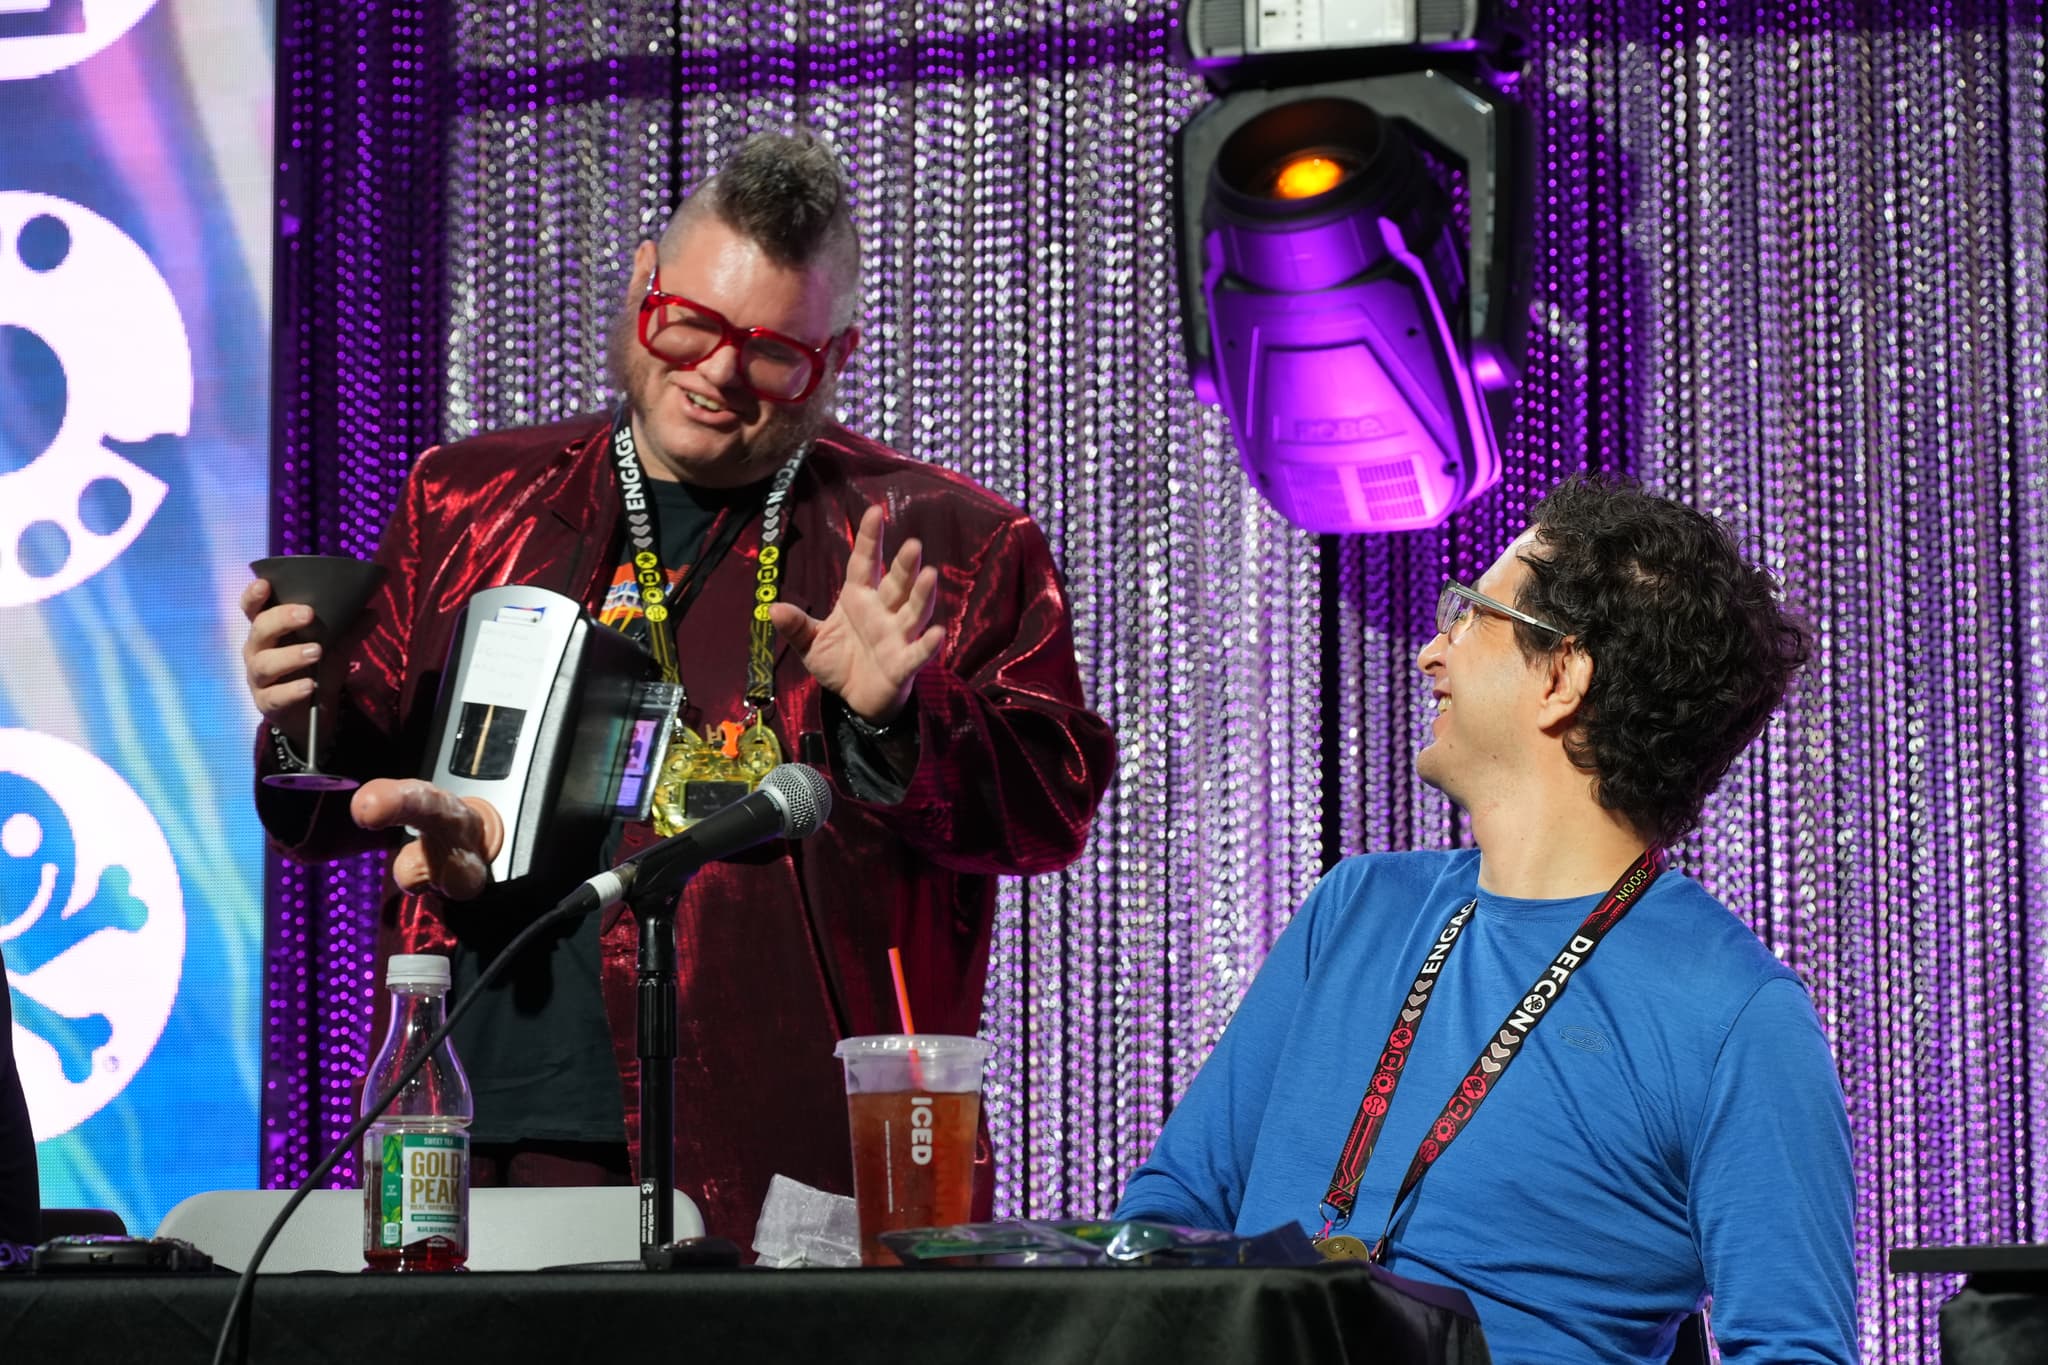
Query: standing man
pixel 1409 1074
pixel 941 699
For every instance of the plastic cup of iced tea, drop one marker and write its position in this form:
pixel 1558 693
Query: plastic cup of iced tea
pixel 912 1104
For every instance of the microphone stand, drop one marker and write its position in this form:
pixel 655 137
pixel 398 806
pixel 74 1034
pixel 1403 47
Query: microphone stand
pixel 653 903
pixel 803 802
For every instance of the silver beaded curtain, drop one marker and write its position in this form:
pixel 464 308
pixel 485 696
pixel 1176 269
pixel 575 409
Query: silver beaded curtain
pixel 1788 266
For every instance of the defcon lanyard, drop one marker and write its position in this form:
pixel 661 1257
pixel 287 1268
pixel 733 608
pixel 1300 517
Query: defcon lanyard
pixel 1486 1071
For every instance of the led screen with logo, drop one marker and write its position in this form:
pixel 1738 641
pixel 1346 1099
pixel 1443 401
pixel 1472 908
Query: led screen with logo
pixel 135 153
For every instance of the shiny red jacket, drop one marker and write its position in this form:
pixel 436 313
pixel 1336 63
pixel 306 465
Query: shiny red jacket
pixel 781 955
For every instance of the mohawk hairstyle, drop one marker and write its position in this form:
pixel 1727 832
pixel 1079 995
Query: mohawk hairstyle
pixel 786 194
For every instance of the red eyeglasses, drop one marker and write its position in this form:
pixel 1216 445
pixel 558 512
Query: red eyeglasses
pixel 683 333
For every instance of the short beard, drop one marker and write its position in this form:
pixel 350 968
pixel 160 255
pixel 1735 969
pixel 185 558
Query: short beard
pixel 621 345
pixel 794 426
pixel 790 426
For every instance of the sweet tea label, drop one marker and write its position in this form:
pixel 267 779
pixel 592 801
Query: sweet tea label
pixel 420 1195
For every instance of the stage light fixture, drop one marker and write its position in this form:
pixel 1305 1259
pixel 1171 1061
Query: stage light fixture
pixel 1366 362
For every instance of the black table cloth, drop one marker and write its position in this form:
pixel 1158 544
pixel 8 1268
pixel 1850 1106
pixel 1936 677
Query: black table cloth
pixel 1334 1313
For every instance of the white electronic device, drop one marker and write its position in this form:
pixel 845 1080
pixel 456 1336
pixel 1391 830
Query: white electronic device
pixel 557 721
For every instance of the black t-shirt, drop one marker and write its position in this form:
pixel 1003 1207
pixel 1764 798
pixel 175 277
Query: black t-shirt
pixel 538 1048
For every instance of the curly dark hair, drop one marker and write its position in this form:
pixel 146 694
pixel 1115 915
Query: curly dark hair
pixel 1691 648
pixel 787 194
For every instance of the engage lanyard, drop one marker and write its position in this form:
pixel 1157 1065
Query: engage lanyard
pixel 643 536
pixel 1486 1070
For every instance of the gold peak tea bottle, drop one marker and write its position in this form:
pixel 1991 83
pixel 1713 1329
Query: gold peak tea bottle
pixel 416 1155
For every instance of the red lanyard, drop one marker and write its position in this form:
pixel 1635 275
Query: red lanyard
pixel 1486 1070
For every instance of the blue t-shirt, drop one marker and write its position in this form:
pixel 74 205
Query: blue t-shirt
pixel 1673 1128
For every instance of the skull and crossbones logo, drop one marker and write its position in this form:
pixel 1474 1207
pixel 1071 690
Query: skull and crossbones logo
pixel 83 311
pixel 41 36
pixel 92 926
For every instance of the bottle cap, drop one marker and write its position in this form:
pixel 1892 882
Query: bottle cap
pixel 417 969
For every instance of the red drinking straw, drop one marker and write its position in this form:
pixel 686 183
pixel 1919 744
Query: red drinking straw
pixel 903 1013
pixel 902 990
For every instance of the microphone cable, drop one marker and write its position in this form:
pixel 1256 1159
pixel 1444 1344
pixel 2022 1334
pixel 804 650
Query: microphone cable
pixel 802 799
pixel 583 899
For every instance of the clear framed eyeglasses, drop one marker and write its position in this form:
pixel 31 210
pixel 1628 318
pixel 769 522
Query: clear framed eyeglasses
pixel 1458 605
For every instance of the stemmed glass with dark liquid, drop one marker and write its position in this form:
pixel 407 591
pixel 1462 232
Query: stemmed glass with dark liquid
pixel 335 587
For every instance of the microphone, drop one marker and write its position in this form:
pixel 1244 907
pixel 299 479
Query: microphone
pixel 792 802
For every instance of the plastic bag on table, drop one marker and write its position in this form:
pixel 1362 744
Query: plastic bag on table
pixel 1077 1241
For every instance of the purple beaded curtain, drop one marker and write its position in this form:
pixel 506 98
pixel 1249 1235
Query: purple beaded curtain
pixel 1788 265
pixel 356 372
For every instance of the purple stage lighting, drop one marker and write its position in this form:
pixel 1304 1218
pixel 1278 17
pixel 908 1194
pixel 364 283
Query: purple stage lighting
pixel 1365 363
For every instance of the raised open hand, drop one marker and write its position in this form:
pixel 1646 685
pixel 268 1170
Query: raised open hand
pixel 880 632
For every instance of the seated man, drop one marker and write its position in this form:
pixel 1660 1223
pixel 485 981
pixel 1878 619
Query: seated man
pixel 1673 1127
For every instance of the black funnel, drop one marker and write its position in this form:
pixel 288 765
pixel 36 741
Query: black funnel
pixel 335 587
